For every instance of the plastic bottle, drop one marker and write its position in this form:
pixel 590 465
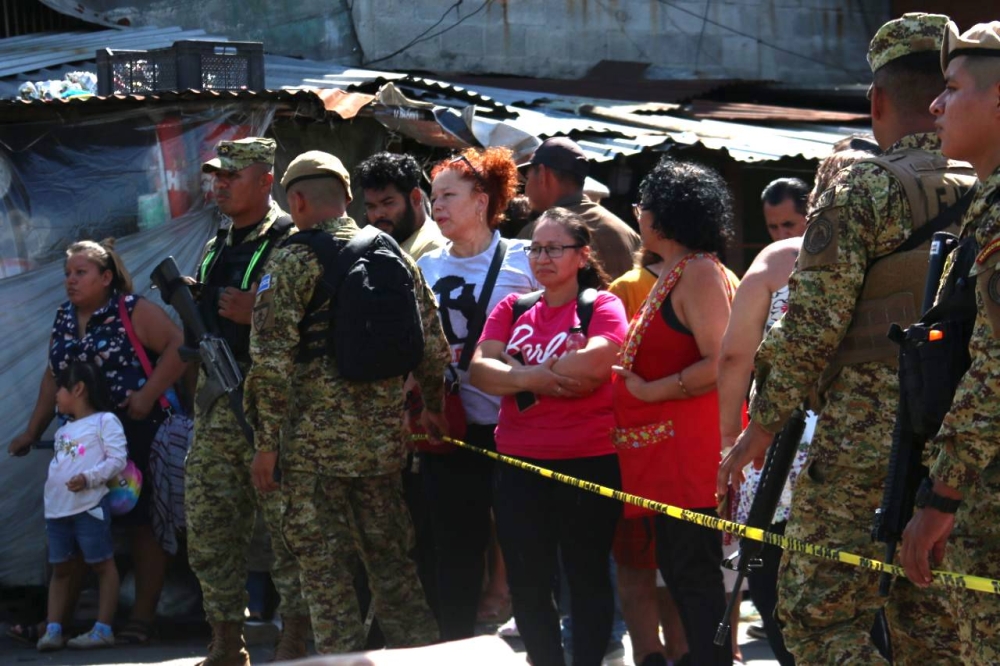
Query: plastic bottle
pixel 576 340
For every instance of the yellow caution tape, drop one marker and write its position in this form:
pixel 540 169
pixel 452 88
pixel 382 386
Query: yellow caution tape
pixel 944 578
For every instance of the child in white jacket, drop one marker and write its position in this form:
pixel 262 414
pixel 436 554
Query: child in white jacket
pixel 90 450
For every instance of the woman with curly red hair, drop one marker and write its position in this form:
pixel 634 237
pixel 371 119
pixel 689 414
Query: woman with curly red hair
pixel 470 275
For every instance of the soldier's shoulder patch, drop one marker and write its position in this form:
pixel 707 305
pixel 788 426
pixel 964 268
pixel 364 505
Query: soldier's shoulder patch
pixel 826 199
pixel 991 248
pixel 819 234
pixel 263 309
pixel 993 288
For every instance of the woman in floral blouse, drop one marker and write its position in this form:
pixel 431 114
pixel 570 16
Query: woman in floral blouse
pixel 89 327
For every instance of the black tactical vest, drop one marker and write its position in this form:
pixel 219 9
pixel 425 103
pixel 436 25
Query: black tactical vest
pixel 236 266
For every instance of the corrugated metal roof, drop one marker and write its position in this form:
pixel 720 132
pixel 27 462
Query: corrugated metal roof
pixel 304 103
pixel 745 112
pixel 603 128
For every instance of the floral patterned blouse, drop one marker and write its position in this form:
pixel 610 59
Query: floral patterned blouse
pixel 104 343
pixel 779 305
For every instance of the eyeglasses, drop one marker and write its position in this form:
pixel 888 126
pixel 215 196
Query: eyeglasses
pixel 475 172
pixel 637 209
pixel 552 251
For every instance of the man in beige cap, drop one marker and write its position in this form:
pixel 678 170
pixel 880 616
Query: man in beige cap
pixel 864 258
pixel 341 454
pixel 963 493
pixel 219 497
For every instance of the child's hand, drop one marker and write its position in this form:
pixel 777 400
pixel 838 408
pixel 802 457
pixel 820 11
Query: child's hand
pixel 77 483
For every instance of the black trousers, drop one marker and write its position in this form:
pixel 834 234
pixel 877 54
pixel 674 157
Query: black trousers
pixel 689 557
pixel 764 590
pixel 458 489
pixel 538 517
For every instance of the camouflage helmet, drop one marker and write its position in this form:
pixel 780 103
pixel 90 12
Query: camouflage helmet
pixel 911 33
pixel 237 155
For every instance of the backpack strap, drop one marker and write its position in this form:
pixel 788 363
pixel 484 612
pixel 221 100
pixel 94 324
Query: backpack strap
pixel 584 306
pixel 350 253
pixel 525 303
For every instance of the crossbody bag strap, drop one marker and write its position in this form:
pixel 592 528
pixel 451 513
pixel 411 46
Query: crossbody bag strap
pixel 140 351
pixel 479 318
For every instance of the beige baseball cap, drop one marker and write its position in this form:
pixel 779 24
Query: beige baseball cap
pixel 981 40
pixel 316 164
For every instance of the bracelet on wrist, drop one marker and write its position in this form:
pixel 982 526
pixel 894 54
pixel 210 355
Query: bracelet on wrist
pixel 680 383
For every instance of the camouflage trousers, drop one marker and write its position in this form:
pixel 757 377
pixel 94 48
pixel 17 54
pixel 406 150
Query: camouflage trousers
pixel 330 521
pixel 221 504
pixel 977 553
pixel 826 608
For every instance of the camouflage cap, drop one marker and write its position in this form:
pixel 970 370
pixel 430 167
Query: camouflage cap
pixel 981 40
pixel 316 164
pixel 910 33
pixel 237 155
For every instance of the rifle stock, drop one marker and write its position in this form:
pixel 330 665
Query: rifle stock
pixel 777 465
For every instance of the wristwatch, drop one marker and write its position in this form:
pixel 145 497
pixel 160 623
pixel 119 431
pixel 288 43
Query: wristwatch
pixel 926 497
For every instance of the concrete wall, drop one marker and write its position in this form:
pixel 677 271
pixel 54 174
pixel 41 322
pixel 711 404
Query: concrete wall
pixel 679 38
pixel 315 29
pixel 547 38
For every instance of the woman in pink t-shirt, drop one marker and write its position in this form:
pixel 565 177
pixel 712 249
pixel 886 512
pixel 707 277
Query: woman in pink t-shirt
pixel 556 412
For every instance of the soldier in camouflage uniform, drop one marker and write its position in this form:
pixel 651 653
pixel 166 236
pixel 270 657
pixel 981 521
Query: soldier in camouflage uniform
pixel 341 455
pixel 855 275
pixel 968 466
pixel 219 497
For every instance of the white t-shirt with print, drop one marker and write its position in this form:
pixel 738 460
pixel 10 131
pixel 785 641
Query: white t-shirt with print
pixel 93 446
pixel 457 283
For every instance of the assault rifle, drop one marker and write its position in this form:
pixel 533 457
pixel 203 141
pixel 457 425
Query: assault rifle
pixel 777 464
pixel 213 351
pixel 933 356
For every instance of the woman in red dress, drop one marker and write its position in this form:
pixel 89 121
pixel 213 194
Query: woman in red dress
pixel 665 402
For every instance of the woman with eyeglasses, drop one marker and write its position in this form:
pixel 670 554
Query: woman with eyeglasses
pixel 665 401
pixel 468 196
pixel 555 379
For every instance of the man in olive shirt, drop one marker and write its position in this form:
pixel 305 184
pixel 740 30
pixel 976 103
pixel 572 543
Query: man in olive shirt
pixel 555 177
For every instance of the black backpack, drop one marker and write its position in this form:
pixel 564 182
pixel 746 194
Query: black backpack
pixel 373 328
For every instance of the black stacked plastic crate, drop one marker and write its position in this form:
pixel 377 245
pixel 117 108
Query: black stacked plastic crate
pixel 186 65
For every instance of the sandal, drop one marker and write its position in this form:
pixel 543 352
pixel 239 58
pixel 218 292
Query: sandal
pixel 135 632
pixel 25 634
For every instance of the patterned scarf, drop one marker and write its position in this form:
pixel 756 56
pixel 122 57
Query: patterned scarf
pixel 654 302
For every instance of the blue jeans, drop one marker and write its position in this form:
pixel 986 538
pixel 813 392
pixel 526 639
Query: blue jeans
pixel 81 532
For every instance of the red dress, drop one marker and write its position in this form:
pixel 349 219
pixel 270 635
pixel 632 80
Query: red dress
pixel 678 463
pixel 668 451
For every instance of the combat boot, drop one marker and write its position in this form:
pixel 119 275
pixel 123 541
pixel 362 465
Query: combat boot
pixel 292 643
pixel 227 647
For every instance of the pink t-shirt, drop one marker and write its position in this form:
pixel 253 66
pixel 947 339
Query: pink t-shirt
pixel 555 428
